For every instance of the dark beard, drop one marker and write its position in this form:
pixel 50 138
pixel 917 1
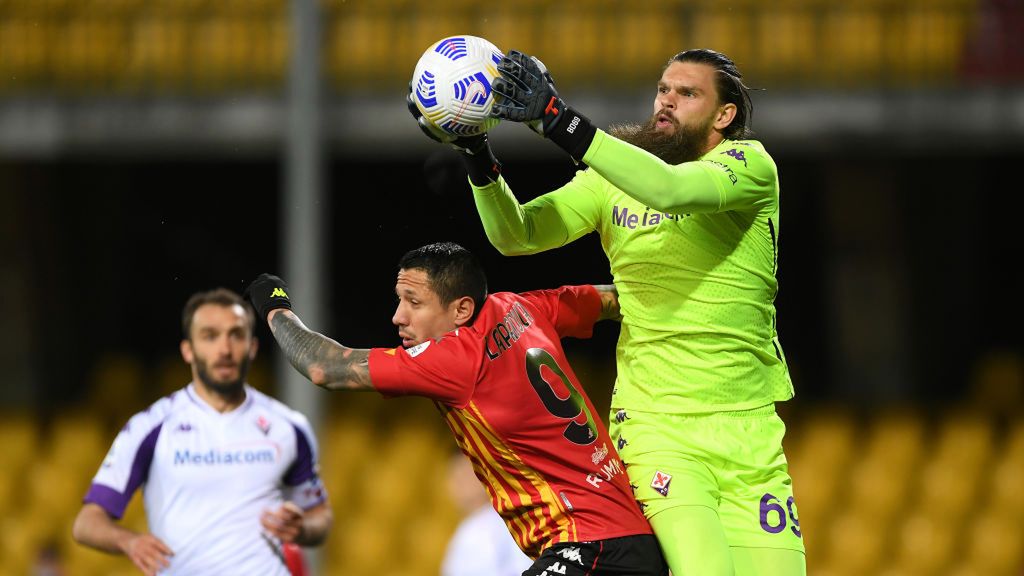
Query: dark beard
pixel 684 145
pixel 231 389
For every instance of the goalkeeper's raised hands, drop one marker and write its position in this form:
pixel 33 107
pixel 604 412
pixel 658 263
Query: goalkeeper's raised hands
pixel 469 144
pixel 479 159
pixel 525 92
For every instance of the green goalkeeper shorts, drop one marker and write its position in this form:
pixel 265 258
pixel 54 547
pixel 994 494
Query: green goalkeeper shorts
pixel 731 462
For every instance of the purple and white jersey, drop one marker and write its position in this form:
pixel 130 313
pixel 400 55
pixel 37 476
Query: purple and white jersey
pixel 207 477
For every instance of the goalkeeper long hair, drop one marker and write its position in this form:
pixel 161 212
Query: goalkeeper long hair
pixel 453 271
pixel 730 86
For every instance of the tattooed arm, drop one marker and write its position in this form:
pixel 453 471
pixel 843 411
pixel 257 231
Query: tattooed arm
pixel 609 302
pixel 325 362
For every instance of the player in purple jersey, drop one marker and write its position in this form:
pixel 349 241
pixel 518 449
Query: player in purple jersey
pixel 229 475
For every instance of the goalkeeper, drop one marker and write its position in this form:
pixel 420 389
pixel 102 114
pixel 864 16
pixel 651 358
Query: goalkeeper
pixel 687 208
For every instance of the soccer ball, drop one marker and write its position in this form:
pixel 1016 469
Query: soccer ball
pixel 452 84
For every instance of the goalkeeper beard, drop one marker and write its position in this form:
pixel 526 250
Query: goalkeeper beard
pixel 685 144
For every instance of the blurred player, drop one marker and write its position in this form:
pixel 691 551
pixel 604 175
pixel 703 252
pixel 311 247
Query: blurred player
pixel 229 474
pixel 688 213
pixel 481 543
pixel 494 366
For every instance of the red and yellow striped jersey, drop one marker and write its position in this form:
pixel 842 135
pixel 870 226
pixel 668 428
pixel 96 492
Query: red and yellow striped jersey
pixel 518 411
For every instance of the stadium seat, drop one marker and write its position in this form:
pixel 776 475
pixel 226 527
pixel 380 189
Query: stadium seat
pixel 855 545
pixel 19 543
pixel 924 544
pixel 994 544
pixel 19 435
pixel 116 390
pixel 1007 488
pixel 896 438
pixel 947 489
pixel 78 442
pixel 876 490
pixel 967 438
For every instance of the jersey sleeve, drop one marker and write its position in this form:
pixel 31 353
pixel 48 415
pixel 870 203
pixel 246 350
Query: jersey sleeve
pixel 302 484
pixel 126 465
pixel 745 175
pixel 572 309
pixel 736 178
pixel 546 222
pixel 443 370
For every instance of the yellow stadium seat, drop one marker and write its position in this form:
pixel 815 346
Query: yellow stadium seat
pixel 877 490
pixel 53 494
pixel 19 435
pixel 787 42
pixel 654 39
pixel 367 545
pixel 510 31
pixel 116 389
pixel 965 569
pixel 925 544
pixel 21 538
pixel 10 487
pixel 897 439
pixel 426 538
pixel 855 544
pixel 966 438
pixel 819 451
pixel 825 439
pixel 1013 447
pixel 1007 489
pixel 994 544
pixel 947 489
pixel 726 30
pixel 853 39
pixel 344 447
pixel 77 444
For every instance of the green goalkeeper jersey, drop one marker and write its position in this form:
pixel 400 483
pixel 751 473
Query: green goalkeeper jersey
pixel 693 250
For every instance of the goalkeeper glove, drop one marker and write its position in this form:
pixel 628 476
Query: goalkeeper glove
pixel 267 292
pixel 526 93
pixel 476 153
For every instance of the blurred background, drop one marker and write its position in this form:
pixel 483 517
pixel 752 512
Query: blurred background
pixel 153 148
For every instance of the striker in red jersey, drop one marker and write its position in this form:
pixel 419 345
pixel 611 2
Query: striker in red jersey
pixel 518 411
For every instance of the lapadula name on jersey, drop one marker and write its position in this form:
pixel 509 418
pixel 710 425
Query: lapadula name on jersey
pixel 508 331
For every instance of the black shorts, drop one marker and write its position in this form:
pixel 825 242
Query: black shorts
pixel 627 556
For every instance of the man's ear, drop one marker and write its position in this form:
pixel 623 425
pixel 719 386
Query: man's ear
pixel 186 351
pixel 725 116
pixel 463 308
pixel 254 348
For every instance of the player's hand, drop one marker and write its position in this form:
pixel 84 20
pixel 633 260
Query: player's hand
pixel 267 292
pixel 468 144
pixel 526 93
pixel 148 553
pixel 285 523
pixel 481 164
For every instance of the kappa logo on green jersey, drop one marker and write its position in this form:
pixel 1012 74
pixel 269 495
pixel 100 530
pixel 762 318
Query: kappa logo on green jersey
pixel 279 293
pixel 737 154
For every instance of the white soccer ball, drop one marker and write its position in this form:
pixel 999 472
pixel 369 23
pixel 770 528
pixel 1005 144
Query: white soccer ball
pixel 452 84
